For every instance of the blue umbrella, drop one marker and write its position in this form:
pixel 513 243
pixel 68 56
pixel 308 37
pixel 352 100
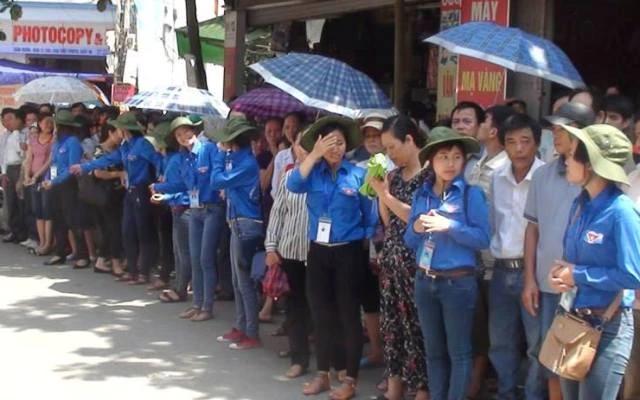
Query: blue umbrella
pixel 510 48
pixel 185 100
pixel 323 83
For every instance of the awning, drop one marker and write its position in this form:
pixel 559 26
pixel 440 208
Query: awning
pixel 13 73
pixel 212 39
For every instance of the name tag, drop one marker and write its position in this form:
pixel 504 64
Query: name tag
pixel 426 254
pixel 126 180
pixel 53 171
pixel 324 230
pixel 194 199
pixel 568 299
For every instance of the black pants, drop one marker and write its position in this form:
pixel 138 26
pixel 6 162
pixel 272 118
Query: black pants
pixel 164 227
pixel 109 220
pixel 138 231
pixel 224 261
pixel 15 205
pixel 333 278
pixel 64 201
pixel 298 318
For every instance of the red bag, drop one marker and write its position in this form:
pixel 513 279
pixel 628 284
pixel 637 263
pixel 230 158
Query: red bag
pixel 275 283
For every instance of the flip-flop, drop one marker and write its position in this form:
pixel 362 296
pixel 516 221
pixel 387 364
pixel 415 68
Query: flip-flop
pixel 166 298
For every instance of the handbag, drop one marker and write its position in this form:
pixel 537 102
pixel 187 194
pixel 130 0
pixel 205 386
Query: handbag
pixel 275 283
pixel 571 343
pixel 91 192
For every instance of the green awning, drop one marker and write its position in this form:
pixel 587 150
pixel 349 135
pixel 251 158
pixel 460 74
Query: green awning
pixel 212 39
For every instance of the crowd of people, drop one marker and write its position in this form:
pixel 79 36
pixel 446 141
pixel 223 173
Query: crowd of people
pixel 480 232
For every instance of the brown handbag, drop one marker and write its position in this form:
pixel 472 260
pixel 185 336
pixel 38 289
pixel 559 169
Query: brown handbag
pixel 571 343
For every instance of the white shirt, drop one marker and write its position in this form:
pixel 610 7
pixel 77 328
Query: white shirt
pixel 480 172
pixel 13 154
pixel 283 158
pixel 507 211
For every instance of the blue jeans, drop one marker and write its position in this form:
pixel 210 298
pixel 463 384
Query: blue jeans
pixel 181 253
pixel 247 237
pixel 205 225
pixel 446 310
pixel 137 232
pixel 507 320
pixel 612 357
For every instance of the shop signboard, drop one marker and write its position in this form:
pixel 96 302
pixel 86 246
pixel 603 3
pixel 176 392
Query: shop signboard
pixel 480 81
pixel 450 16
pixel 121 92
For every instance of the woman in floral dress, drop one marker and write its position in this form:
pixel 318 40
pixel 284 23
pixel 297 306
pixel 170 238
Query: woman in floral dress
pixel 401 334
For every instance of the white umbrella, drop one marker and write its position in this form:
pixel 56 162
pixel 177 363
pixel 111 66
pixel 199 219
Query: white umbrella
pixel 57 90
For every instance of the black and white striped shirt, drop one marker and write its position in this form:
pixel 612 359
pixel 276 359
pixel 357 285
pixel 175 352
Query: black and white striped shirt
pixel 287 232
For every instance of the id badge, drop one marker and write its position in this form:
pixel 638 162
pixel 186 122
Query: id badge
pixel 53 171
pixel 126 180
pixel 194 199
pixel 568 299
pixel 426 254
pixel 324 230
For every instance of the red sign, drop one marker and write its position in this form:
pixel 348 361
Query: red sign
pixel 121 92
pixel 43 34
pixel 480 81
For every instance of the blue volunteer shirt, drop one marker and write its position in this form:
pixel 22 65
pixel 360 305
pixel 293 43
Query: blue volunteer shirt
pixel 469 231
pixel 171 164
pixel 65 153
pixel 138 157
pixel 195 169
pixel 238 174
pixel 602 241
pixel 353 216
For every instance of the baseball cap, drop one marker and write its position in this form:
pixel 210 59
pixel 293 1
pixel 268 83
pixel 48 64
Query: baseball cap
pixel 572 113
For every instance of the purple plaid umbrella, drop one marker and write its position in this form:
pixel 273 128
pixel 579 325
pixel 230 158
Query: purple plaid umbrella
pixel 265 102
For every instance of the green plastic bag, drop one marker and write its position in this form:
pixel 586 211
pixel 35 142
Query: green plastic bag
pixel 376 168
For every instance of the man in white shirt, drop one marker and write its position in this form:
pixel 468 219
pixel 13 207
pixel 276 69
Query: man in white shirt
pixel 520 135
pixel 293 124
pixel 13 120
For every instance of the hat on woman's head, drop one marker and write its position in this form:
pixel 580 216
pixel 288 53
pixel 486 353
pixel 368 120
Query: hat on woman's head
pixel 127 121
pixel 350 127
pixel 609 150
pixel 234 128
pixel 181 121
pixel 64 117
pixel 161 133
pixel 441 135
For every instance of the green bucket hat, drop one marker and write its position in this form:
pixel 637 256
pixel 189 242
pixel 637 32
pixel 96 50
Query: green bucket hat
pixel 442 134
pixel 234 128
pixel 127 121
pixel 354 136
pixel 609 150
pixel 181 121
pixel 161 133
pixel 64 117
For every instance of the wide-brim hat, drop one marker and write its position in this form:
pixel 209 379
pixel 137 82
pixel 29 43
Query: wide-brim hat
pixel 441 135
pixel 235 127
pixel 608 148
pixel 127 121
pixel 64 117
pixel 161 133
pixel 350 127
pixel 181 121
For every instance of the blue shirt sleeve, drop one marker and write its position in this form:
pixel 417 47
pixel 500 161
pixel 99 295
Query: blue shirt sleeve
pixel 108 160
pixel 173 182
pixel 369 211
pixel 149 153
pixel 626 273
pixel 74 156
pixel 296 183
pixel 475 232
pixel 223 179
pixel 412 238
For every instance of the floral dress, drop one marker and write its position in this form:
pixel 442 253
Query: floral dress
pixel 403 344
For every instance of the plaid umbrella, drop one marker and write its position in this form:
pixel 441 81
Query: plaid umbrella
pixel 185 100
pixel 265 102
pixel 323 83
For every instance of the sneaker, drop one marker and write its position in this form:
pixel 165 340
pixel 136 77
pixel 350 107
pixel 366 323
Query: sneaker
pixel 233 335
pixel 245 344
pixel 29 243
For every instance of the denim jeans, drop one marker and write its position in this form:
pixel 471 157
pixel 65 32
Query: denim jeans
pixel 137 231
pixel 181 253
pixel 446 310
pixel 205 225
pixel 508 321
pixel 607 370
pixel 247 237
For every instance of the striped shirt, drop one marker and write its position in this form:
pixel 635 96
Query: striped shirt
pixel 287 232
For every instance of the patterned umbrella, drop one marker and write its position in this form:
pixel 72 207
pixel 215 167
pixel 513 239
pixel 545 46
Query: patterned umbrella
pixel 58 90
pixel 265 102
pixel 510 48
pixel 323 83
pixel 186 100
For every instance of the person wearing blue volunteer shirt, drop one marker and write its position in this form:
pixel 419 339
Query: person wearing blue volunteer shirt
pixel 141 164
pixel 236 171
pixel 66 151
pixel 341 220
pixel 448 224
pixel 206 214
pixel 601 262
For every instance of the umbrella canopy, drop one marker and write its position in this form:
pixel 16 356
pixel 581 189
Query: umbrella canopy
pixel 265 102
pixel 58 90
pixel 13 73
pixel 185 100
pixel 323 83
pixel 510 48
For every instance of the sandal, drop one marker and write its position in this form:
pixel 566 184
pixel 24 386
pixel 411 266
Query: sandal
pixel 157 285
pixel 142 280
pixel 125 277
pixel 171 296
pixel 81 264
pixel 189 312
pixel 201 316
pixel 295 371
pixel 318 385
pixel 346 391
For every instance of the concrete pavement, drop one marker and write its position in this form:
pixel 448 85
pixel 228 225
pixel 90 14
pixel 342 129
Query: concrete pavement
pixel 68 334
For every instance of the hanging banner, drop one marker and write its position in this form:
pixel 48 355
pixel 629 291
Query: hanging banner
pixel 450 16
pixel 480 81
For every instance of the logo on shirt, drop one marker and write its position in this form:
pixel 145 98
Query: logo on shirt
pixel 203 170
pixel 132 157
pixel 594 237
pixel 348 191
pixel 449 208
